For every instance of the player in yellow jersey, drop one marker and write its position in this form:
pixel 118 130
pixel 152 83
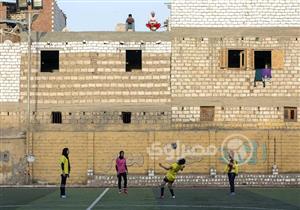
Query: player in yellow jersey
pixel 232 170
pixel 64 164
pixel 171 176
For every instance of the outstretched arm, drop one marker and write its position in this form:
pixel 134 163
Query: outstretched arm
pixel 166 168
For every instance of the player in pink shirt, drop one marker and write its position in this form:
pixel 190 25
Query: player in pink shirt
pixel 122 171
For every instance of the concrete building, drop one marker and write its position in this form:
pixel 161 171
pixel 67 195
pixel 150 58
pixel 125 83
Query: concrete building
pixel 51 17
pixel 199 85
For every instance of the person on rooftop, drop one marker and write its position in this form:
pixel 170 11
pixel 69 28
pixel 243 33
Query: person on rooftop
pixel 130 23
pixel 152 24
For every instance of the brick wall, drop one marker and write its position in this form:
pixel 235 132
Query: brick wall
pixel 96 151
pixel 10 118
pixel 10 60
pixel 48 147
pixel 95 72
pixel 44 20
pixel 232 13
pixel 3 11
pixel 51 18
pixel 200 78
pixel 196 70
pixel 104 117
pixel 227 116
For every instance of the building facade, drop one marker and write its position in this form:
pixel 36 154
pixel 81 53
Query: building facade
pixel 202 86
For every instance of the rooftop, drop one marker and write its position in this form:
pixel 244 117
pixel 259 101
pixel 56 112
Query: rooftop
pixel 163 36
pixel 98 36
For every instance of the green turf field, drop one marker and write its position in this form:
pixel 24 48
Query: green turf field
pixel 148 198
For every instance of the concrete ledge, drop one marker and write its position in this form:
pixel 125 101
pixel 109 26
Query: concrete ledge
pixel 251 180
pixel 98 36
pixel 236 32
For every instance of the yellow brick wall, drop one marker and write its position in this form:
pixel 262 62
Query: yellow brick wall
pixel 47 148
pixel 99 150
pixel 108 145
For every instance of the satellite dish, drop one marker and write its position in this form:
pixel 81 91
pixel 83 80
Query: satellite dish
pixel 30 158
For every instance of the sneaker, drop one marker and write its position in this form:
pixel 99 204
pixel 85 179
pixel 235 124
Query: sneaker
pixel 161 197
pixel 120 191
pixel 63 196
pixel 233 193
pixel 125 191
pixel 173 196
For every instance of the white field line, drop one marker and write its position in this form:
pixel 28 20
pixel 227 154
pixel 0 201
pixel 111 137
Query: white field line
pixel 98 199
pixel 145 205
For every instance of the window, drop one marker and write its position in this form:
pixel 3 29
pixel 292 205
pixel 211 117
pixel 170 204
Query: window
pixel 133 60
pixel 207 113
pixel 56 117
pixel 251 59
pixel 236 59
pixel 49 61
pixel 126 116
pixel 262 58
pixel 290 114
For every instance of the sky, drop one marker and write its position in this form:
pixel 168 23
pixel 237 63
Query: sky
pixel 103 15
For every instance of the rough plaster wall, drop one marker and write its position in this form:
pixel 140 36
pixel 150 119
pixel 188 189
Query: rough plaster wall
pixel 12 161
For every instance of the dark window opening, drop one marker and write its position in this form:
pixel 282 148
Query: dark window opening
pixel 262 58
pixel 126 117
pixel 207 113
pixel 56 117
pixel 236 58
pixel 49 61
pixel 290 114
pixel 133 60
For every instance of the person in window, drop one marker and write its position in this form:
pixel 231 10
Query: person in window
pixel 122 171
pixel 232 171
pixel 130 23
pixel 65 171
pixel 152 24
pixel 266 72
